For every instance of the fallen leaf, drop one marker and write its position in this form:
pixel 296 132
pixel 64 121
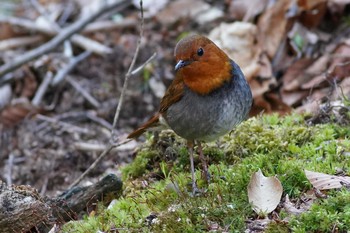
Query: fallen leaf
pixel 246 10
pixel 290 78
pixel 314 11
pixel 238 40
pixel 323 181
pixel 302 205
pixel 13 114
pixel 176 10
pixel 290 208
pixel 277 104
pixel 272 26
pixel 292 98
pixel 264 192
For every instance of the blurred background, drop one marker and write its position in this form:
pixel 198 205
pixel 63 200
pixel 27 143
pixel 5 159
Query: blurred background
pixel 57 109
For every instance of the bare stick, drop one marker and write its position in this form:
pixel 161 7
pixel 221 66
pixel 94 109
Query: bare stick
pixel 97 161
pixel 111 145
pixel 19 41
pixel 72 63
pixel 42 89
pixel 57 40
pixel 66 126
pixel 105 25
pixel 138 69
pixel 83 92
pixel 81 41
pixel 128 74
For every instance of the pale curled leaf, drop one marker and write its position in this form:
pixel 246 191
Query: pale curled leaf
pixel 264 192
pixel 323 181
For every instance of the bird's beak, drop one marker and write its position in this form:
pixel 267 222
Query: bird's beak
pixel 182 63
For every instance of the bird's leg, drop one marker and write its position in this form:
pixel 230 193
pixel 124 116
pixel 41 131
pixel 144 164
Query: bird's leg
pixel 204 162
pixel 195 190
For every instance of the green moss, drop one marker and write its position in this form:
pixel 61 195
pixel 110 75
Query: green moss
pixel 328 215
pixel 281 147
pixel 277 227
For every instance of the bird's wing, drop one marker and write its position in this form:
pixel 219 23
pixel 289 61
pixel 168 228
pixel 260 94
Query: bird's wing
pixel 173 94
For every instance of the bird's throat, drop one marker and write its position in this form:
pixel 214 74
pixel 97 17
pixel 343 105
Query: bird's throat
pixel 207 79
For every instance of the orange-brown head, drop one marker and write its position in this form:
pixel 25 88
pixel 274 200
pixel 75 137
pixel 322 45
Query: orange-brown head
pixel 202 65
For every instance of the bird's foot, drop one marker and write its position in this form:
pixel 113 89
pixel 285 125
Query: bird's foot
pixel 196 191
pixel 206 175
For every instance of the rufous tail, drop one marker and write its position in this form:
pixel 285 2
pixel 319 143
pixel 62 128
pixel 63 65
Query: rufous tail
pixel 153 122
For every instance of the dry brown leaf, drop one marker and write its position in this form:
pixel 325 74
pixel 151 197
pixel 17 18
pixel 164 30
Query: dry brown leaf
pixel 304 203
pixel 340 71
pixel 292 98
pixel 30 84
pixel 264 192
pixel 265 70
pixel 290 208
pixel 318 81
pixel 277 104
pixel 290 78
pixel 323 181
pixel 345 88
pixel 13 114
pixel 314 11
pixel 176 10
pixel 302 75
pixel 238 40
pixel 246 10
pixel 272 26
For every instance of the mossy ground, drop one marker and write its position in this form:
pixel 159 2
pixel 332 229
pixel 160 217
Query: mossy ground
pixel 157 184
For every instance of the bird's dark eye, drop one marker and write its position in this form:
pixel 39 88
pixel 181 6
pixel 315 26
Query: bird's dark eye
pixel 200 52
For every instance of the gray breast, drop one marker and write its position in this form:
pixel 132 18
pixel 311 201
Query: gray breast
pixel 205 118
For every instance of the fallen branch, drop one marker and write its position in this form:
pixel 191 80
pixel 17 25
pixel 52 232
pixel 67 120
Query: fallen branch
pixel 72 63
pixel 106 25
pixel 19 41
pixel 57 40
pixel 94 102
pixel 22 208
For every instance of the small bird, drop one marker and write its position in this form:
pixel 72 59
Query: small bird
pixel 207 98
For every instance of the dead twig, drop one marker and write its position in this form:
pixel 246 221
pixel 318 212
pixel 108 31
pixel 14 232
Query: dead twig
pixel 105 25
pixel 57 40
pixel 72 63
pixel 128 74
pixel 19 41
pixel 112 145
pixel 9 169
pixel 83 92
pixel 66 126
pixel 92 116
pixel 58 78
pixel 97 161
pixel 42 89
pixel 138 69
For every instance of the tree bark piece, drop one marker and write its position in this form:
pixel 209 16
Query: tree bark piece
pixel 22 209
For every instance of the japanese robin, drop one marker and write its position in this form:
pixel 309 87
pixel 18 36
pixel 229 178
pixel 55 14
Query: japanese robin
pixel 207 98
